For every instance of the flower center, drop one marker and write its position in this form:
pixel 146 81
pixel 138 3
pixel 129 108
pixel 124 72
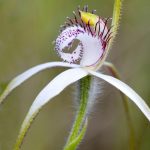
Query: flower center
pixel 91 35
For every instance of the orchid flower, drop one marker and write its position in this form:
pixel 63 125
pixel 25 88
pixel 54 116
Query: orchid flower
pixel 94 38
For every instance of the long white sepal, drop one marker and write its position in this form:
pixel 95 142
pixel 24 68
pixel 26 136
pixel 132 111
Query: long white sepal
pixel 124 88
pixel 56 86
pixel 29 73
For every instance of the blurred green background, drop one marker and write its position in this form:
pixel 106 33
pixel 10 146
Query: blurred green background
pixel 27 29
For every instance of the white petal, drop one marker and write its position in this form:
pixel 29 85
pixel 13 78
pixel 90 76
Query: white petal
pixel 127 91
pixel 29 73
pixel 56 86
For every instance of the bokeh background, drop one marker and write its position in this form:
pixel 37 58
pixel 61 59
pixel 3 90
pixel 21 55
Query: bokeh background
pixel 27 29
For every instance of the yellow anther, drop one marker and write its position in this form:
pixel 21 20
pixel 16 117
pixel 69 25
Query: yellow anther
pixel 89 18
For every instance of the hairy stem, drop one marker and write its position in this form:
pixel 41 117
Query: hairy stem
pixel 115 26
pixel 84 86
pixel 115 73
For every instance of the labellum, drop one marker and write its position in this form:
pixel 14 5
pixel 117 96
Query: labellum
pixel 92 33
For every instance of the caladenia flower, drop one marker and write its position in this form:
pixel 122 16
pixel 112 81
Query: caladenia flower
pixel 91 38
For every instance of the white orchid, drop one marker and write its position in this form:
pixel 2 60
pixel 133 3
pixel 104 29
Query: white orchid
pixel 94 40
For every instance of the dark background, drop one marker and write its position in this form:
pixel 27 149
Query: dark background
pixel 27 29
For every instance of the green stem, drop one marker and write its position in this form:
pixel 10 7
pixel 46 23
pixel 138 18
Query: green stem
pixel 84 86
pixel 115 26
pixel 115 73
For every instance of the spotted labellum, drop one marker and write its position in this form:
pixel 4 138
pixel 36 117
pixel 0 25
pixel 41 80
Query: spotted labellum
pixel 93 36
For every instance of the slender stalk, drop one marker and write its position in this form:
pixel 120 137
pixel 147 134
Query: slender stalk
pixel 74 144
pixel 115 25
pixel 84 86
pixel 115 73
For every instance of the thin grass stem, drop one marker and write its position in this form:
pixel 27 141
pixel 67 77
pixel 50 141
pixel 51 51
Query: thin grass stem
pixel 116 74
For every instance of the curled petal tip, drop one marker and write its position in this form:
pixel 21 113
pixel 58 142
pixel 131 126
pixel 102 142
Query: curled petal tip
pixel 128 91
